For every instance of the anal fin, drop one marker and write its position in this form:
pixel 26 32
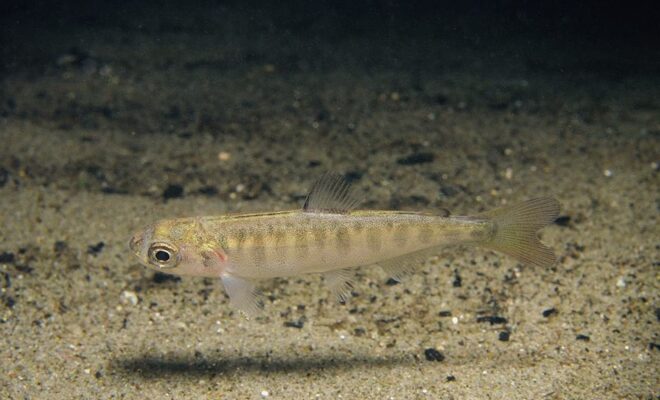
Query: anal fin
pixel 339 282
pixel 243 294
pixel 398 267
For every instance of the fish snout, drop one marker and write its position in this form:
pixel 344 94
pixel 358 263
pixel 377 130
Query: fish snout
pixel 135 243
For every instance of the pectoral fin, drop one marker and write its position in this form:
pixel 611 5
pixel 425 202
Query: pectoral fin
pixel 339 282
pixel 243 294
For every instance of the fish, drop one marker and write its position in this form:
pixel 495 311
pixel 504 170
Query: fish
pixel 330 236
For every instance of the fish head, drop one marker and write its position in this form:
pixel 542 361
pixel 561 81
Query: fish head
pixel 176 247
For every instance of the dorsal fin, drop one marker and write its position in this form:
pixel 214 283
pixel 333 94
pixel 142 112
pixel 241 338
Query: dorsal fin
pixel 330 194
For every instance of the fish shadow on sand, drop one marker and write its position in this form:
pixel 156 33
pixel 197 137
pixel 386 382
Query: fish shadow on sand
pixel 152 367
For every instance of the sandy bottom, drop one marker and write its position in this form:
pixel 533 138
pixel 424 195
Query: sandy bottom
pixel 165 122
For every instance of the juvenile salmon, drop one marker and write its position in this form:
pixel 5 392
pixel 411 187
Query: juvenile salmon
pixel 328 236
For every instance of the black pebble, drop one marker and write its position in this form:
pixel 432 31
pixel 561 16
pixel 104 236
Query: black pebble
pixel 563 220
pixel 449 191
pixel 95 248
pixel 353 176
pixel 295 324
pixel 583 337
pixel 313 163
pixel 440 99
pixel 432 354
pixel 26 269
pixel 549 312
pixel 654 346
pixel 6 257
pixel 416 158
pixel 657 314
pixel 451 378
pixel 173 192
pixel 60 246
pixel 4 177
pixel 444 314
pixel 458 282
pixel 208 190
pixel 392 282
pixel 504 336
pixel 98 375
pixel 160 277
pixel 9 301
pixel 492 319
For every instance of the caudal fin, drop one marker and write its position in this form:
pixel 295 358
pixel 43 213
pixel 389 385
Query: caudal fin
pixel 515 229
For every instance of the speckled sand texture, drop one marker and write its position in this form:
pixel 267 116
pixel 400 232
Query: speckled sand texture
pixel 206 111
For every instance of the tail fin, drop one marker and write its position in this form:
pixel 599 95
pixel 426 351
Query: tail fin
pixel 515 230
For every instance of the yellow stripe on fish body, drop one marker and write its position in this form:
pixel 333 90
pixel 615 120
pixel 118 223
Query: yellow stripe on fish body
pixel 296 242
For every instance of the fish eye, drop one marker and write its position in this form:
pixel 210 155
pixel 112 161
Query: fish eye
pixel 162 255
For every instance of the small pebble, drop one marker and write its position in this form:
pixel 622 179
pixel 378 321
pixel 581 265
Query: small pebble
pixel 416 158
pixel 59 246
pixel 129 297
pixel 549 312
pixel 504 336
pixel 608 173
pixel 583 338
pixel 563 220
pixel 173 192
pixel 264 394
pixel 621 282
pixel 444 314
pixel 95 248
pixel 451 378
pixel 492 319
pixel 508 173
pixel 458 281
pixel 432 354
pixel 392 282
pixel 7 258
pixel 299 323
pixel 224 156
pixel 4 177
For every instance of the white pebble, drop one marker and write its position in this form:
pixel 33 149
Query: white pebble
pixel 608 173
pixel 129 297
pixel 621 282
pixel 454 320
pixel 264 394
